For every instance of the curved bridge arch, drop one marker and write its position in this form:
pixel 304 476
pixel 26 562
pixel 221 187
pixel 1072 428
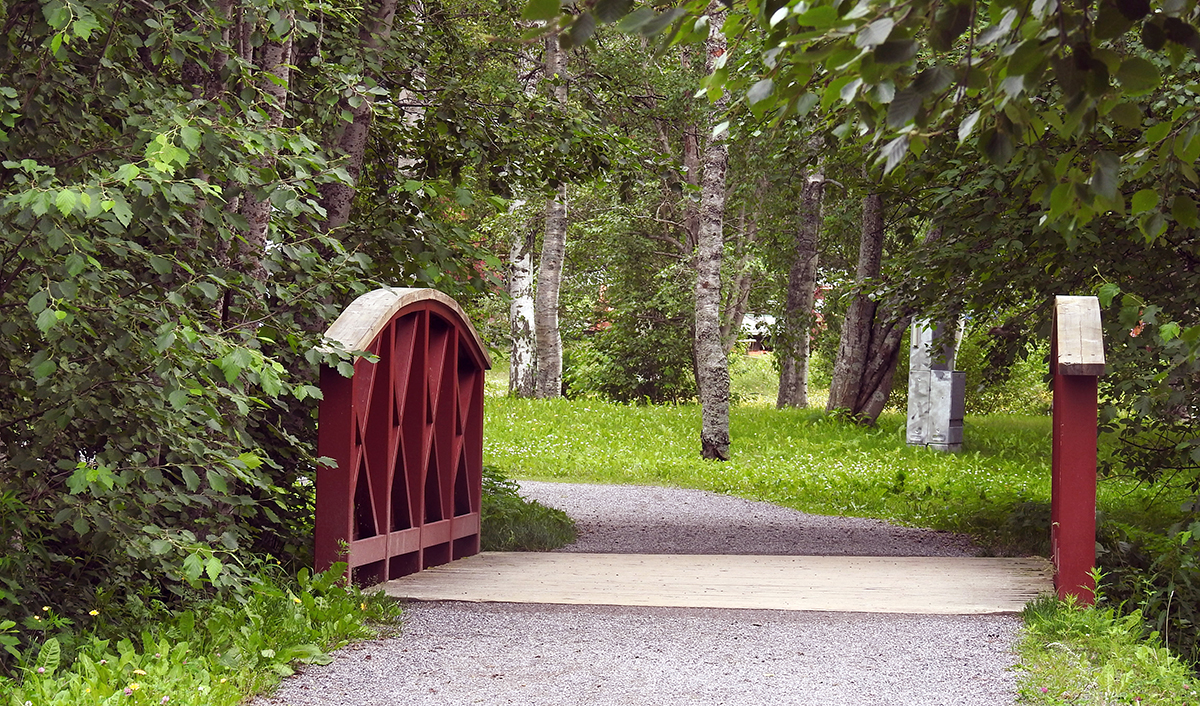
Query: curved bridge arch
pixel 407 434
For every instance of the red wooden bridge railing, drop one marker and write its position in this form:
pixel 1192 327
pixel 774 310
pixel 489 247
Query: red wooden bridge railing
pixel 407 435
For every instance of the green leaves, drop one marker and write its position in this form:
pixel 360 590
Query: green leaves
pixel 163 155
pixel 951 20
pixel 874 34
pixel 1138 76
pixel 903 108
pixel 609 11
pixel 760 91
pixel 49 656
pixel 65 201
pixel 541 10
pixel 894 152
pixel 1106 175
pixel 1144 200
pixel 1183 210
pixel 998 145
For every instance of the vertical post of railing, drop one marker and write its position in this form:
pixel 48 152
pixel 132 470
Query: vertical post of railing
pixel 1076 361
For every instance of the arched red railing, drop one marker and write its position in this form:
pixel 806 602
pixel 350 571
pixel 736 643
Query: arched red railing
pixel 407 435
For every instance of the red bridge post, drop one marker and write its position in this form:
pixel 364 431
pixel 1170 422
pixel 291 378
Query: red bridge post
pixel 1076 361
pixel 406 433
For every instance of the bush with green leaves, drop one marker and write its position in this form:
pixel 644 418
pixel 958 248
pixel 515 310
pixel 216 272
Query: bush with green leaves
pixel 165 273
pixel 511 523
pixel 1157 571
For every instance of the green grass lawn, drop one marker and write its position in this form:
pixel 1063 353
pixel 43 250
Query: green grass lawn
pixel 997 488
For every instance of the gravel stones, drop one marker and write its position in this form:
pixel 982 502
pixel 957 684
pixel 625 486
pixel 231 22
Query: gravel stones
pixel 460 653
pixel 633 519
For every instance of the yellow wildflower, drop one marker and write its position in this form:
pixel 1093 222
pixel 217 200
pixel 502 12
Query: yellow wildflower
pixel 135 686
pixel 93 612
pixel 140 672
pixel 46 608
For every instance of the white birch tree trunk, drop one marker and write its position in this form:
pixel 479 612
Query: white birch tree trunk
pixel 792 345
pixel 554 243
pixel 522 375
pixel 712 369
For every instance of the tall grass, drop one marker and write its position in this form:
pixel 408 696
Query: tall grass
pixel 1072 656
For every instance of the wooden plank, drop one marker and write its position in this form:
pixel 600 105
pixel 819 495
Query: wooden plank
pixel 361 322
pixel 927 585
pixel 1079 336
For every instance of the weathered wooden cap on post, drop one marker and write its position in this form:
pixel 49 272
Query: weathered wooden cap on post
pixel 1076 361
pixel 1079 338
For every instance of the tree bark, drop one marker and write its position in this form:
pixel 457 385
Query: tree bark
pixel 738 299
pixel 869 349
pixel 550 267
pixel 854 346
pixel 691 165
pixel 338 198
pixel 522 377
pixel 274 60
pixel 712 369
pixel 792 344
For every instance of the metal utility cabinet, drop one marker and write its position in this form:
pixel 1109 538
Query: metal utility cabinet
pixel 936 392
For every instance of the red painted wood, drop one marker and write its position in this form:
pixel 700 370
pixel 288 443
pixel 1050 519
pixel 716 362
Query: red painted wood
pixel 1073 486
pixel 407 435
pixel 1073 479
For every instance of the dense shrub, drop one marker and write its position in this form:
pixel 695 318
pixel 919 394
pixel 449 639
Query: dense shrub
pixel 994 385
pixel 1158 574
pixel 512 523
pixel 214 652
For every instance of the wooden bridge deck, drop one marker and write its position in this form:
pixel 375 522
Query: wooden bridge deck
pixel 926 585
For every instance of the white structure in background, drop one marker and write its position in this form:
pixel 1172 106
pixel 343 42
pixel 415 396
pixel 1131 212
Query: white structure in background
pixel 936 391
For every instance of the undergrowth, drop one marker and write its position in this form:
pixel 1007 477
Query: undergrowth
pixel 1076 656
pixel 511 523
pixel 215 653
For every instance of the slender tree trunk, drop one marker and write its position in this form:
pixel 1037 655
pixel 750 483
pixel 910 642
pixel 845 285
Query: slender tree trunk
pixel 522 375
pixel 887 335
pixel 712 369
pixel 873 333
pixel 274 61
pixel 854 346
pixel 738 300
pixel 691 165
pixel 792 344
pixel 338 198
pixel 554 244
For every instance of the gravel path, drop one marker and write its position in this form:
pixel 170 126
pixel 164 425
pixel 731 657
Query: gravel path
pixel 462 653
pixel 630 519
